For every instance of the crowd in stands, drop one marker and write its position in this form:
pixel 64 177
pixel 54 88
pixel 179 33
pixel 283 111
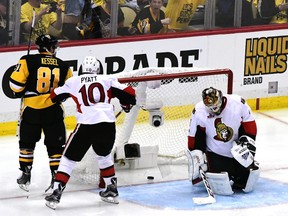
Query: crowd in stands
pixel 86 19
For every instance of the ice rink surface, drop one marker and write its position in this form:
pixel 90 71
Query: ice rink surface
pixel 170 193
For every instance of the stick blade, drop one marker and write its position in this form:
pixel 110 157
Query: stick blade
pixel 204 200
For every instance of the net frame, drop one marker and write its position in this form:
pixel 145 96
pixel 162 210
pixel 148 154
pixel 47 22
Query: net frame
pixel 88 171
pixel 144 75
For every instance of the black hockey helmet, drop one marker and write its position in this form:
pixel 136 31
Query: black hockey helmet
pixel 47 43
pixel 212 98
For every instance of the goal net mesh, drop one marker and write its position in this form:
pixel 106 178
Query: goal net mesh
pixel 165 100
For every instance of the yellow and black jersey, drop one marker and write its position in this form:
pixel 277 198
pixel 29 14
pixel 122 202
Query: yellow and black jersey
pixel 269 9
pixel 146 22
pixel 35 76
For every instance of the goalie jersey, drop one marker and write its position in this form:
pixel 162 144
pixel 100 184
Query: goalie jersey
pixel 92 94
pixel 216 133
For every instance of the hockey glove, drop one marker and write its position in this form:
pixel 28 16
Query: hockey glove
pixel 126 107
pixel 243 150
pixel 249 142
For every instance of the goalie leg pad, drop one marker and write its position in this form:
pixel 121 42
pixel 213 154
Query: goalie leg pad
pixel 196 159
pixel 220 183
pixel 252 180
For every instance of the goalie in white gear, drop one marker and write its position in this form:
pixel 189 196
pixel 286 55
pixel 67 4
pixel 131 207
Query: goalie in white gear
pixel 95 126
pixel 223 129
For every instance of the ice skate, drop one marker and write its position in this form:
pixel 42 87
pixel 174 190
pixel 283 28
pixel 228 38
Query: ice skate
pixel 111 193
pixel 53 199
pixel 24 180
pixel 53 173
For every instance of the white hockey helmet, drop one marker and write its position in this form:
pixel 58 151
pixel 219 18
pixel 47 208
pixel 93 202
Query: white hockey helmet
pixel 90 65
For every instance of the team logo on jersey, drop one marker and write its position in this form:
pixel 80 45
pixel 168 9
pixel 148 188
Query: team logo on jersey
pixel 224 133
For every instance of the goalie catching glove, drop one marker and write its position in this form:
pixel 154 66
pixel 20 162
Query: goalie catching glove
pixel 243 150
pixel 126 107
pixel 196 160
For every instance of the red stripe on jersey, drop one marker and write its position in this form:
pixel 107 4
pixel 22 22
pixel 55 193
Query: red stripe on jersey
pixel 62 177
pixel 108 172
pixel 191 143
pixel 250 127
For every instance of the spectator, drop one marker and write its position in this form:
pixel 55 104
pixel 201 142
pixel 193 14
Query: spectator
pixel 77 18
pixel 142 3
pixel 100 2
pixel 131 4
pixel 101 16
pixel 150 19
pixel 273 11
pixel 181 12
pixel 4 32
pixel 225 13
pixel 45 16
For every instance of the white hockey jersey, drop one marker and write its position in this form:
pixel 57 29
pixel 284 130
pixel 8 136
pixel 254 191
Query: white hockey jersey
pixel 92 94
pixel 221 130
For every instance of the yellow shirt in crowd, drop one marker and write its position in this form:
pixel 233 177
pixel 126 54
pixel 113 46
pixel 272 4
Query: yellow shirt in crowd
pixel 181 12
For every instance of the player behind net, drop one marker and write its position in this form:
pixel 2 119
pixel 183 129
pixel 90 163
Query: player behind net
pixel 95 126
pixel 223 129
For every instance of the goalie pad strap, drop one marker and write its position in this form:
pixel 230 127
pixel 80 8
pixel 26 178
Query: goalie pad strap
pixel 220 183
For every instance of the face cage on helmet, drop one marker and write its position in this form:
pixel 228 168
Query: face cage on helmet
pixel 214 106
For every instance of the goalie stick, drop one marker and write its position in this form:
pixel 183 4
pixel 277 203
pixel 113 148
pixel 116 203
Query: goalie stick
pixel 211 196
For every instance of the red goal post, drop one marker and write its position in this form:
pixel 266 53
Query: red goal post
pixel 199 73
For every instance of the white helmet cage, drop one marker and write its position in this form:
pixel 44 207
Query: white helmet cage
pixel 90 65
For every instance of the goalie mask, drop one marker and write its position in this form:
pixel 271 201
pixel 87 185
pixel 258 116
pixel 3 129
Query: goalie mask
pixel 90 65
pixel 47 43
pixel 212 99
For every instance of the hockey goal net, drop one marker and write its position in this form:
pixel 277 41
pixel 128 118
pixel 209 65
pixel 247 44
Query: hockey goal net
pixel 165 100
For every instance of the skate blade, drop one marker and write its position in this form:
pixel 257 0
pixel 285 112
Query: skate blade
pixel 24 187
pixel 51 204
pixel 113 200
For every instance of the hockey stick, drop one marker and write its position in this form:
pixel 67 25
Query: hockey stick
pixel 211 196
pixel 31 31
pixel 28 52
pixel 119 113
